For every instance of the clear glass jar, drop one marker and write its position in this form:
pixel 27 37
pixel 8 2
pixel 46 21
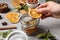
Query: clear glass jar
pixel 29 24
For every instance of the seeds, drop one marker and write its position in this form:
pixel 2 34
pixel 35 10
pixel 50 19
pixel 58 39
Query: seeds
pixel 0 17
pixel 4 23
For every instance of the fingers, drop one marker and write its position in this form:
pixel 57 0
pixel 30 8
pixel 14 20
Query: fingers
pixel 43 10
pixel 46 15
pixel 42 6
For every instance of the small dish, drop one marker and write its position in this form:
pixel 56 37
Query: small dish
pixel 17 35
pixel 32 5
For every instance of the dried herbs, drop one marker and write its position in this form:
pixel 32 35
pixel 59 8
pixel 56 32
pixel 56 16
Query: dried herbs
pixel 25 7
pixel 46 36
pixel 5 34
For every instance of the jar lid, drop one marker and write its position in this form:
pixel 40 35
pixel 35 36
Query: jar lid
pixel 17 35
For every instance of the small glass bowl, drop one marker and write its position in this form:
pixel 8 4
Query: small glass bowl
pixel 17 35
pixel 32 5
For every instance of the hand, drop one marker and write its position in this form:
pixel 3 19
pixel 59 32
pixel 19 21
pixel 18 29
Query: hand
pixel 49 9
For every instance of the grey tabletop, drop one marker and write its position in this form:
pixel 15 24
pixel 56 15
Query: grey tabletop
pixel 49 23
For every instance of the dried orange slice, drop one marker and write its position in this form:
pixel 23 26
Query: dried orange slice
pixel 16 3
pixel 33 13
pixel 23 11
pixel 12 17
pixel 24 1
pixel 14 20
pixel 11 14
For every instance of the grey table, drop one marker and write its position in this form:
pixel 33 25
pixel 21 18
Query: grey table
pixel 49 23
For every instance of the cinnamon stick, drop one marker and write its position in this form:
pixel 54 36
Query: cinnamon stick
pixel 8 28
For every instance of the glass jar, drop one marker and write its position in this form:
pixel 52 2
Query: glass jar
pixel 29 24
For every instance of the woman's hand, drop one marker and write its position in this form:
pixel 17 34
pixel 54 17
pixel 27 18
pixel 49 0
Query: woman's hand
pixel 49 9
